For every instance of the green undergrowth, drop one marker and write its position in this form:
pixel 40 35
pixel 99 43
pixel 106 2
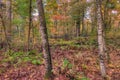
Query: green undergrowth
pixel 16 58
pixel 86 42
pixel 113 38
pixel 80 42
pixel 67 65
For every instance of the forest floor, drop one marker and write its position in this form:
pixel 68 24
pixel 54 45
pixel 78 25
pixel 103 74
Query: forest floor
pixel 68 64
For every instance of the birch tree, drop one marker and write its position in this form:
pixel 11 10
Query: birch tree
pixel 100 39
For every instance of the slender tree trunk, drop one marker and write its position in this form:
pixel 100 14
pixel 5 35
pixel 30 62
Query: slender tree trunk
pixel 4 28
pixel 1 34
pixel 106 16
pixel 83 26
pixel 56 27
pixel 78 27
pixel 100 39
pixel 106 25
pixel 75 29
pixel 94 20
pixel 0 26
pixel 9 18
pixel 45 43
pixel 33 36
pixel 3 23
pixel 30 23
pixel 0 3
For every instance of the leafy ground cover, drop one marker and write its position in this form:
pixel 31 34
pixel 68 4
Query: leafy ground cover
pixel 68 64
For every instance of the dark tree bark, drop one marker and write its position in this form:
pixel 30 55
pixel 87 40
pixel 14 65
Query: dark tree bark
pixel 82 20
pixel 45 43
pixel 56 27
pixel 9 18
pixel 30 23
pixel 94 19
pixel 3 23
pixel 4 29
pixel 100 39
pixel 0 3
pixel 107 16
pixel 78 27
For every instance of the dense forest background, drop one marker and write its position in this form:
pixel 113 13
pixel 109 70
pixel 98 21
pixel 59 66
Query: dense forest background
pixel 59 39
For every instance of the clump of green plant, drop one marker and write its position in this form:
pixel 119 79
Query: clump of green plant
pixel 84 78
pixel 90 41
pixel 36 62
pixel 67 64
pixel 64 42
pixel 20 57
pixel 32 52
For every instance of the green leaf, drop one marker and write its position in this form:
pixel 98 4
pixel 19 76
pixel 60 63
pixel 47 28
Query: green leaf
pixel 65 62
pixel 70 66
pixel 36 62
pixel 26 59
pixel 85 78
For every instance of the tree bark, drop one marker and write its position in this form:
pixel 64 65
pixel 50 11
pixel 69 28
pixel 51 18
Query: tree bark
pixel 30 23
pixel 94 18
pixel 83 26
pixel 9 18
pixel 3 23
pixel 4 28
pixel 45 43
pixel 101 41
pixel 107 26
pixel 78 27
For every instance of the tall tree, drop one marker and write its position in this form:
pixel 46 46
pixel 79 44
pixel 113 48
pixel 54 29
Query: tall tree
pixel 9 18
pixel 100 39
pixel 2 8
pixel 75 12
pixel 45 43
pixel 30 22
pixel 78 12
pixel 93 16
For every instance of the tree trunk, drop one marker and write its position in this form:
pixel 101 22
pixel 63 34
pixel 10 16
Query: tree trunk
pixel 106 15
pixel 78 27
pixel 30 23
pixel 4 28
pixel 9 18
pixel 106 25
pixel 94 19
pixel 45 43
pixel 3 23
pixel 0 26
pixel 56 28
pixel 100 39
pixel 83 26
pixel 0 3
